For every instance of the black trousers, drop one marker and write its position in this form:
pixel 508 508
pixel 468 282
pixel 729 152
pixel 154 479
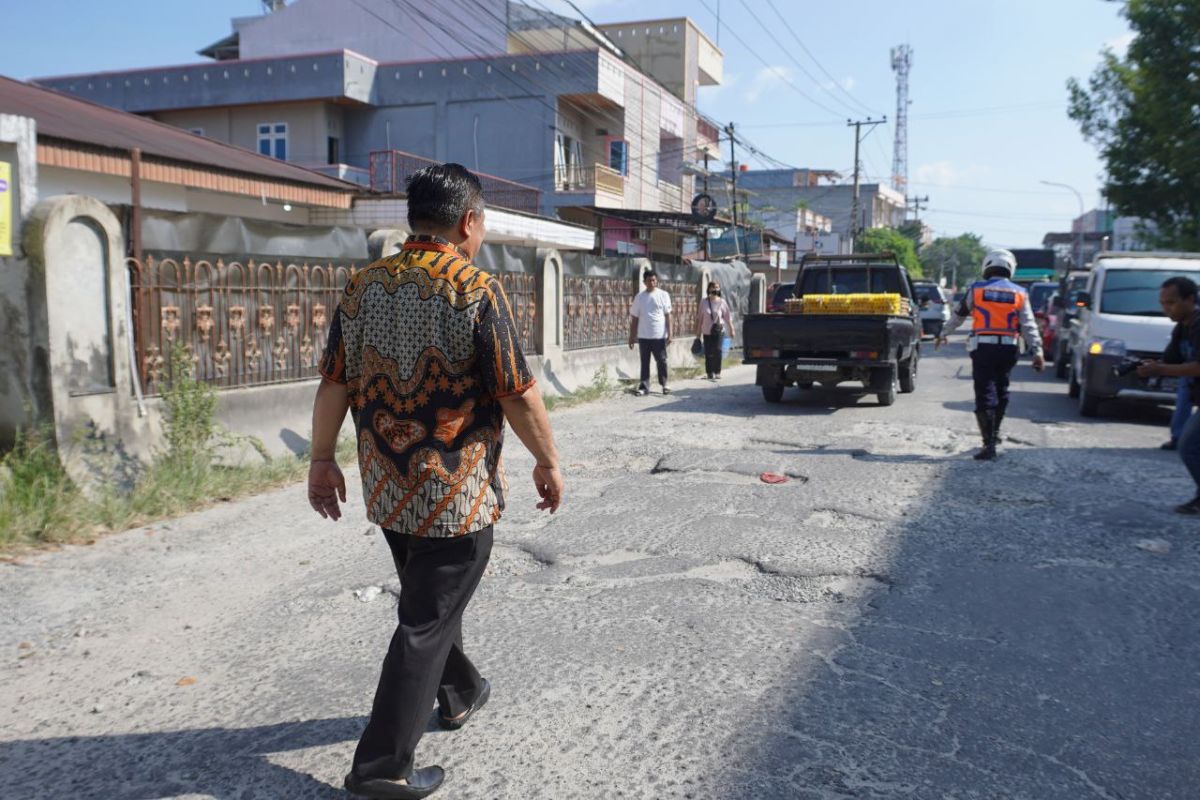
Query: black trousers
pixel 990 367
pixel 425 659
pixel 658 349
pixel 712 354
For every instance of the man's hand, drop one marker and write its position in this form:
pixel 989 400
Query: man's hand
pixel 1149 369
pixel 939 341
pixel 1039 362
pixel 549 484
pixel 325 486
pixel 632 342
pixel 668 337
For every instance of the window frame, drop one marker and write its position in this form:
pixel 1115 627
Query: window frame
pixel 273 137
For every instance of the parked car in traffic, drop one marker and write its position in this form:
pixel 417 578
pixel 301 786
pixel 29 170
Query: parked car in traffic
pixel 934 304
pixel 1048 325
pixel 1121 322
pixel 1066 311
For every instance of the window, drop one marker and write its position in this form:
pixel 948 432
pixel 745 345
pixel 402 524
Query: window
pixel 568 162
pixel 197 131
pixel 1133 292
pixel 334 150
pixel 618 155
pixel 273 139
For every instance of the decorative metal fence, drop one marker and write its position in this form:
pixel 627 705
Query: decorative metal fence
pixel 597 311
pixel 685 305
pixel 242 324
pixel 522 291
pixel 257 322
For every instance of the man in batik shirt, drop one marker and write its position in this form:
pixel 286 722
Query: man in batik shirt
pixel 424 353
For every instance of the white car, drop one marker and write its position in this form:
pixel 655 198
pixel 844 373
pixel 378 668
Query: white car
pixel 1121 322
pixel 934 302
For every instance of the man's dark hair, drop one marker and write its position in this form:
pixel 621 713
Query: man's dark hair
pixel 1185 286
pixel 438 196
pixel 649 274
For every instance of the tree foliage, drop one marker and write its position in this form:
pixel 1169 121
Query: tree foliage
pixel 889 240
pixel 1142 111
pixel 958 257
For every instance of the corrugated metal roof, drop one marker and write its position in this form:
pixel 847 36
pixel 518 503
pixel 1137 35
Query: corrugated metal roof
pixel 62 116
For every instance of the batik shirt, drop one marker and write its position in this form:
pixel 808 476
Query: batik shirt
pixel 426 345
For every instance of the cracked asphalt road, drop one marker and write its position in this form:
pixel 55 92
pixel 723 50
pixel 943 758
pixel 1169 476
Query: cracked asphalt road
pixel 896 621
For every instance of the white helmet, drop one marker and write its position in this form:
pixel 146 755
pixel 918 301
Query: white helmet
pixel 1000 260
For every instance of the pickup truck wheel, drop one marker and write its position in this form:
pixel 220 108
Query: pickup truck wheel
pixel 772 394
pixel 889 397
pixel 908 375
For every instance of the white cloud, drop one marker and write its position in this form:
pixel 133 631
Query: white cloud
pixel 945 173
pixel 848 83
pixel 765 80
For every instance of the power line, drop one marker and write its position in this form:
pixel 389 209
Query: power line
pixel 948 114
pixel 779 73
pixel 821 67
pixel 771 34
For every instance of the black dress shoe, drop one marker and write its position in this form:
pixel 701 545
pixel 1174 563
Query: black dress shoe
pixel 454 724
pixel 1190 508
pixel 421 783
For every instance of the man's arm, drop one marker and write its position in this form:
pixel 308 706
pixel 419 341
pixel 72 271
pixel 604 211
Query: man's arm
pixel 326 484
pixel 1156 368
pixel 667 315
pixel 526 413
pixel 1029 329
pixel 956 320
pixel 633 322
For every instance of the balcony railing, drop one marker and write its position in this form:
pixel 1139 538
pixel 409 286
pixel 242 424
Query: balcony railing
pixel 596 178
pixel 391 169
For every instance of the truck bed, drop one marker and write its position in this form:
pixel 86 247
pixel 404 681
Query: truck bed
pixel 820 336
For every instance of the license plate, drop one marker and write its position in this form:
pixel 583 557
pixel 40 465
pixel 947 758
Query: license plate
pixel 818 367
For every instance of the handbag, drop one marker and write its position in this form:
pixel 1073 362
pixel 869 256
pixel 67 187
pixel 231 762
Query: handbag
pixel 697 347
pixel 718 329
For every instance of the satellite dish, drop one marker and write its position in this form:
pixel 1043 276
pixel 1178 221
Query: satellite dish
pixel 704 207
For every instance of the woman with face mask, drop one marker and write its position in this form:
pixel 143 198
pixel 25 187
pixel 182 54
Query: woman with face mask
pixel 713 323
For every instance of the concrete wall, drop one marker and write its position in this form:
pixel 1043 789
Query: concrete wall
pixel 309 126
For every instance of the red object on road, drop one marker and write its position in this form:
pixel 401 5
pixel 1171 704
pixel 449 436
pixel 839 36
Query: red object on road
pixel 773 477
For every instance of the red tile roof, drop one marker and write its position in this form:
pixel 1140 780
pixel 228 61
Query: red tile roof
pixel 62 116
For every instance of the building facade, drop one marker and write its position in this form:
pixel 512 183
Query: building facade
pixel 587 117
pixel 787 191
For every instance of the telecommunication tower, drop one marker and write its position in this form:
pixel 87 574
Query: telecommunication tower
pixel 901 63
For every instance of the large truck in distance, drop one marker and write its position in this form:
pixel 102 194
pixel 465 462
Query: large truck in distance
pixel 878 349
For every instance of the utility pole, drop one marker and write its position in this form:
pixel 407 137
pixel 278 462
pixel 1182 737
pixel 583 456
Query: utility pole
pixel 737 241
pixel 710 200
pixel 916 204
pixel 858 125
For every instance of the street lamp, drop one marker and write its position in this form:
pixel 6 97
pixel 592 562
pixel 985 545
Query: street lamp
pixel 1079 197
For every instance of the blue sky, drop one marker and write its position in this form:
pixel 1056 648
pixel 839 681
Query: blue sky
pixel 987 120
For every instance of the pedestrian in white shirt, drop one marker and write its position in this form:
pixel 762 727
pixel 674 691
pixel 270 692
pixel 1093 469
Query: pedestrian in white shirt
pixel 650 329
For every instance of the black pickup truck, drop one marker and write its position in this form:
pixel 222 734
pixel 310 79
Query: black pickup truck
pixel 880 351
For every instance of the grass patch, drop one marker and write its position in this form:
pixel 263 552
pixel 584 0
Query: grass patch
pixel 600 386
pixel 40 504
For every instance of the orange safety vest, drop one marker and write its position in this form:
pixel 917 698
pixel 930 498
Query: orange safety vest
pixel 996 307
